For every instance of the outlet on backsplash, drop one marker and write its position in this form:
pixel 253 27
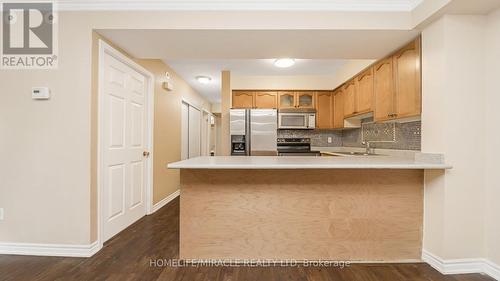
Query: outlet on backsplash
pixel 329 139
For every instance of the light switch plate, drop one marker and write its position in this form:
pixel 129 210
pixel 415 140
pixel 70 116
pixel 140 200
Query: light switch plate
pixel 1 214
pixel 168 86
pixel 40 93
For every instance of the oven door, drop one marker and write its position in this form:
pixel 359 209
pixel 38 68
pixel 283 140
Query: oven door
pixel 293 120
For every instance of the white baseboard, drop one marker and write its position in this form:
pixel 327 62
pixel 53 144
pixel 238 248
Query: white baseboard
pixel 56 250
pixel 165 201
pixel 461 266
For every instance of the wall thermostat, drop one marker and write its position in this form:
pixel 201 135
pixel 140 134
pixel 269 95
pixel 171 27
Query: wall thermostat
pixel 40 93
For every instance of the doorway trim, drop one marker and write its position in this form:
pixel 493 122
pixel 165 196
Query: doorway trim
pixel 105 48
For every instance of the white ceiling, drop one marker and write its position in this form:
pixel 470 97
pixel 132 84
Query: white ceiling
pixel 303 5
pixel 188 69
pixel 258 44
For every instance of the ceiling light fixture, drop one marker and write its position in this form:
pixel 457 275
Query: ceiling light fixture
pixel 284 62
pixel 204 79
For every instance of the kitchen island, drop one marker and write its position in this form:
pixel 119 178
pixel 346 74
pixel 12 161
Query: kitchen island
pixel 303 208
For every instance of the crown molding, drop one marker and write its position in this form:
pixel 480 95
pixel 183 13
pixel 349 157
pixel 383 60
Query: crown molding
pixel 245 5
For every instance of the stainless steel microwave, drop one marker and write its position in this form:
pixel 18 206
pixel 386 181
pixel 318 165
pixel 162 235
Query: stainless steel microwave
pixel 296 120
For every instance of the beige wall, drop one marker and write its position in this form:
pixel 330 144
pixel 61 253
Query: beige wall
pixel 453 124
pixel 460 99
pixel 167 126
pixel 492 138
pixel 45 146
pixel 225 143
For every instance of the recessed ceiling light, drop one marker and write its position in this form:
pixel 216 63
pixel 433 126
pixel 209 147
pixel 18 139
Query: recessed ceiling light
pixel 204 79
pixel 284 62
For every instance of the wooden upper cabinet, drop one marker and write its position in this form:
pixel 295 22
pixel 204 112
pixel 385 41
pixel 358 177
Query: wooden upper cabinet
pixel 304 99
pixel 338 109
pixel 324 110
pixel 296 99
pixel 286 100
pixel 407 83
pixel 383 89
pixel 266 100
pixel 243 99
pixel 349 96
pixel 364 91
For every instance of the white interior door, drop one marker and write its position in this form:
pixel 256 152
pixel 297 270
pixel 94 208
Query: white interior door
pixel 185 131
pixel 124 139
pixel 194 132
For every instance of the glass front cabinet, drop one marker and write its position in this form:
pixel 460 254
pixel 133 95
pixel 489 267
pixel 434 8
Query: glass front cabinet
pixel 296 100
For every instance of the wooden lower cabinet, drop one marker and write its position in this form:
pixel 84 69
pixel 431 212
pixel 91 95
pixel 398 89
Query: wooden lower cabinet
pixel 243 99
pixel 266 100
pixel 324 110
pixel 338 109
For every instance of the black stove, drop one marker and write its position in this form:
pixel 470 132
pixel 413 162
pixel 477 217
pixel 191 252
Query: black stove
pixel 295 147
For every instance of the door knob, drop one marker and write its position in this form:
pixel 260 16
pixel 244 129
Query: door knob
pixel 145 154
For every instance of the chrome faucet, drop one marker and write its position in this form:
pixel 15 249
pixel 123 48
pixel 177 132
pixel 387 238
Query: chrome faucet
pixel 367 146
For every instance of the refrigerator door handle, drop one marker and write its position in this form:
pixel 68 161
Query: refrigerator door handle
pixel 248 135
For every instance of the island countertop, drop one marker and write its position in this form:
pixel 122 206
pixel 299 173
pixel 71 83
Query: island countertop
pixel 422 161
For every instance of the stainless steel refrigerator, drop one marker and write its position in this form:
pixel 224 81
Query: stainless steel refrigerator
pixel 253 131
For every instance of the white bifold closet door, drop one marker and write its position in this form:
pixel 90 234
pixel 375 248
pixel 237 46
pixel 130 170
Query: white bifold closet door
pixel 194 128
pixel 205 134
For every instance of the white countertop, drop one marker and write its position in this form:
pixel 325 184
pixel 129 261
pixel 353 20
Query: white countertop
pixel 420 161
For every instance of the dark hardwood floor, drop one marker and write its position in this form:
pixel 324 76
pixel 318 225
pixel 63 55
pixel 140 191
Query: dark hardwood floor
pixel 127 257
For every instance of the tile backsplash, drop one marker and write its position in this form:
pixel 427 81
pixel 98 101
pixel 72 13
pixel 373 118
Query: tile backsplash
pixel 402 136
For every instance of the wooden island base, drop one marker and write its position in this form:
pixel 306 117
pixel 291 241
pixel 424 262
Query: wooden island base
pixel 330 214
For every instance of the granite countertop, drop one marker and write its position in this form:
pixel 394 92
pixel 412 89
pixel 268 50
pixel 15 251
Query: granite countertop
pixel 418 161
